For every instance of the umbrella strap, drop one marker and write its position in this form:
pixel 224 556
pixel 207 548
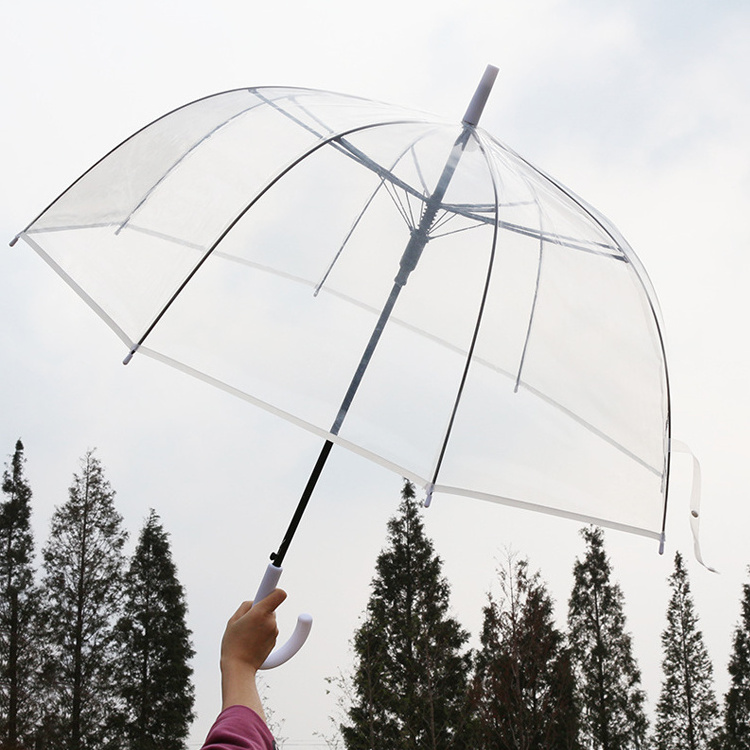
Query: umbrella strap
pixel 676 446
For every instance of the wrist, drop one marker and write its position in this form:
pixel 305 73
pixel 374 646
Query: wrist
pixel 238 686
pixel 238 667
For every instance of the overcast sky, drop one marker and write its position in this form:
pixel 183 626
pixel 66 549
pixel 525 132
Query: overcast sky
pixel 641 108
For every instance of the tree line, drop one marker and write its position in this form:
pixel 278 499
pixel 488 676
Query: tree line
pixel 94 648
pixel 95 651
pixel 528 685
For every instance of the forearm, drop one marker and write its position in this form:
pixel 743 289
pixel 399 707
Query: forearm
pixel 239 688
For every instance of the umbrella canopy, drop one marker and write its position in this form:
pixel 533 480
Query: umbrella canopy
pixel 406 287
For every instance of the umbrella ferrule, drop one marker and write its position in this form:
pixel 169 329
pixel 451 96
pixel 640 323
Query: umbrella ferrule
pixel 476 105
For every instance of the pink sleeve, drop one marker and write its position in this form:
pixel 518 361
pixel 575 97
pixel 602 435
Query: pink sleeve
pixel 239 728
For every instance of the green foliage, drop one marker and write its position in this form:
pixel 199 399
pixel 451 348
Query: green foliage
pixel 735 734
pixel 522 692
pixel 410 678
pixel 82 588
pixel 687 710
pixel 608 682
pixel 18 607
pixel 155 647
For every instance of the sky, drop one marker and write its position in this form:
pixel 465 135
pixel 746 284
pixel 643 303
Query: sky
pixel 641 108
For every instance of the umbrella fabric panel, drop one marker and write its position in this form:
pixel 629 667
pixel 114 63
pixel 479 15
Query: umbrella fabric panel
pixel 517 449
pixel 157 203
pixel 594 349
pixel 274 337
pixel 558 409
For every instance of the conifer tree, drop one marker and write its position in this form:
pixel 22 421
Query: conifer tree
pixel 686 712
pixel 18 607
pixel 608 682
pixel 410 677
pixel 82 589
pixel 522 692
pixel 735 731
pixel 155 647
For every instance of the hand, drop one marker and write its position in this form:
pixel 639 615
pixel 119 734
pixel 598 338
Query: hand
pixel 249 638
pixel 251 632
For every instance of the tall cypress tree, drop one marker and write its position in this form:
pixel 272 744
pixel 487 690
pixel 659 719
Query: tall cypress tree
pixel 155 647
pixel 735 732
pixel 608 682
pixel 18 607
pixel 522 692
pixel 410 678
pixel 82 588
pixel 686 712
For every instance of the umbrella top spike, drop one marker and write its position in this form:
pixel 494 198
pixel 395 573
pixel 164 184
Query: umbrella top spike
pixel 476 105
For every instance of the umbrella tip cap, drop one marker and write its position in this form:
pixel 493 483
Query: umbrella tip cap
pixel 476 105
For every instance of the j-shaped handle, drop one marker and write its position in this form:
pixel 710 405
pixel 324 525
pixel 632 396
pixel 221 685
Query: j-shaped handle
pixel 301 630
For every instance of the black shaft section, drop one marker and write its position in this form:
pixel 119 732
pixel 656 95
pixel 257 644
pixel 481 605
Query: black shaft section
pixel 278 557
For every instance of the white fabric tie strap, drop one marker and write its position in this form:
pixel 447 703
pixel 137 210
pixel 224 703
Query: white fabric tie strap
pixel 677 446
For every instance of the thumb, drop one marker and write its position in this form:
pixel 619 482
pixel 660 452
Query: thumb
pixel 271 602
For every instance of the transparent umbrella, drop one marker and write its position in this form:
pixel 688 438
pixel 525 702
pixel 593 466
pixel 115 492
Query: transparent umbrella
pixel 406 287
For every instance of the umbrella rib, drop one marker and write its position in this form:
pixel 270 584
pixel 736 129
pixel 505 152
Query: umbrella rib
pixel 338 142
pixel 475 335
pixel 400 207
pixel 179 161
pixel 356 222
pixel 311 150
pixel 534 300
pixel 412 215
pixel 456 231
pixel 595 248
pixel 442 221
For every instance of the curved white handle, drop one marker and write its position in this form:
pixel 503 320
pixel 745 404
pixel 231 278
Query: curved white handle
pixel 301 630
pixel 294 644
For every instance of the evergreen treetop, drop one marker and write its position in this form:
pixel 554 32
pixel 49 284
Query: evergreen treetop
pixel 82 588
pixel 522 692
pixel 411 674
pixel 16 539
pixel 19 603
pixel 608 681
pixel 687 709
pixel 735 734
pixel 155 647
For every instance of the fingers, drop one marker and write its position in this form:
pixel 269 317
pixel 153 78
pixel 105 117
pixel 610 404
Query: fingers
pixel 267 605
pixel 272 601
pixel 241 610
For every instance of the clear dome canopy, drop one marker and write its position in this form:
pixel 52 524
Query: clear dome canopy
pixel 405 287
